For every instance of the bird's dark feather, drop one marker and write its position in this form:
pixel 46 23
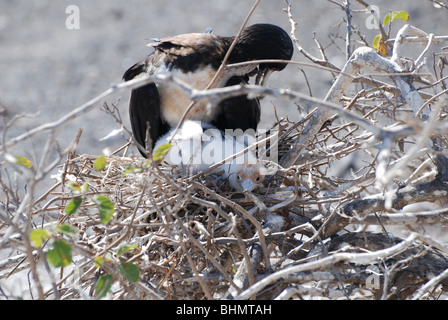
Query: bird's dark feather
pixel 237 112
pixel 191 52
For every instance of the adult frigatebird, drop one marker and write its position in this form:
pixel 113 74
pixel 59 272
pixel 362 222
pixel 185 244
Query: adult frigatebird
pixel 195 58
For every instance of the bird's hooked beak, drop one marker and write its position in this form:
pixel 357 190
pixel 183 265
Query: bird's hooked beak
pixel 263 75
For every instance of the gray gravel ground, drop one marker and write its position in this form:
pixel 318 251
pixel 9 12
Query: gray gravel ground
pixel 49 70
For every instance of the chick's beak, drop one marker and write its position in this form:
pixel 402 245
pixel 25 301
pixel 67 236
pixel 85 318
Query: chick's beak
pixel 248 185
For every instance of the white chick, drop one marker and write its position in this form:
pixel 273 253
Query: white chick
pixel 199 145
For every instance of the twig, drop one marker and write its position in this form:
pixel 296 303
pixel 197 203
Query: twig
pixel 408 218
pixel 329 261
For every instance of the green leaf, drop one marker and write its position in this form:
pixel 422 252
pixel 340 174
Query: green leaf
pixel 98 261
pixel 106 208
pixel 19 160
pixel 73 206
pixel 24 162
pixel 160 153
pixel 129 169
pixel 130 271
pixel 376 42
pixel 103 286
pixel 74 186
pixel 402 15
pixel 108 257
pixel 84 187
pixel 61 254
pixel 379 45
pixel 66 229
pixel 100 163
pixel 37 236
pixel 125 248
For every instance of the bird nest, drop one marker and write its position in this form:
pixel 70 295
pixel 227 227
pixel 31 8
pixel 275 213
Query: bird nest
pixel 186 234
pixel 173 237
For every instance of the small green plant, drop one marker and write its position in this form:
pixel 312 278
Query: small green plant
pixel 60 254
pixel 100 163
pixel 18 160
pixel 379 43
pixel 161 152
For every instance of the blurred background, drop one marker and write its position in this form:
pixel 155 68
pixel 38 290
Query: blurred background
pixel 46 69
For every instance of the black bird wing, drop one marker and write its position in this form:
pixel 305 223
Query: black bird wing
pixel 144 109
pixel 188 52
pixel 185 52
pixel 237 112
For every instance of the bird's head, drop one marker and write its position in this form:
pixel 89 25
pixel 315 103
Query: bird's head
pixel 263 41
pixel 246 177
